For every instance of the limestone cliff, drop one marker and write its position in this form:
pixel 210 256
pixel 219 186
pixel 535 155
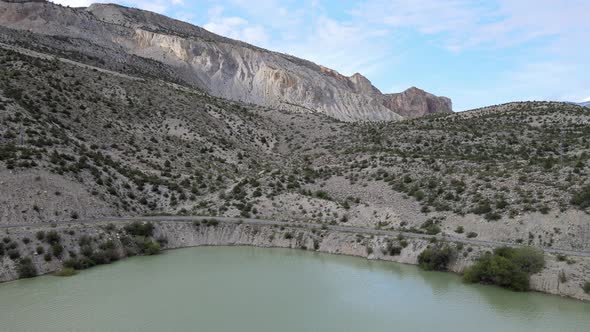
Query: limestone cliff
pixel 414 103
pixel 221 66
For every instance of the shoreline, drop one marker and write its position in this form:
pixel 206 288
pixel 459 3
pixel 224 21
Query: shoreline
pixel 185 235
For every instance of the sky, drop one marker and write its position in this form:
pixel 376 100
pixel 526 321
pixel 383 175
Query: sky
pixel 476 52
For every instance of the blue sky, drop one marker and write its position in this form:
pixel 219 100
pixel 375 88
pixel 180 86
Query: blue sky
pixel 477 53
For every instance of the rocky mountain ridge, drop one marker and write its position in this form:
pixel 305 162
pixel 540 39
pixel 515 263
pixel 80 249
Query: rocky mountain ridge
pixel 186 54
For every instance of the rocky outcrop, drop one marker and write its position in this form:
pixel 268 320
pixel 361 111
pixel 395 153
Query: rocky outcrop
pixel 221 66
pixel 414 103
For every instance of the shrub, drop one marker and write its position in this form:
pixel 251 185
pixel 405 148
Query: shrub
pixel 40 235
pixel 26 269
pixel 492 216
pixel 208 222
pixel 140 229
pixel 586 287
pixel 13 254
pixel 104 256
pixel 66 272
pixel 581 198
pixel 52 237
pixel 40 250
pixel 395 250
pixel 482 208
pixel 85 240
pixel 459 230
pixel 57 250
pixel 436 258
pixel 471 235
pixel 506 267
pixel 530 260
pixel 430 227
pixel 151 248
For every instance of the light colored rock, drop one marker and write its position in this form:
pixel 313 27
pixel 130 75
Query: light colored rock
pixel 221 66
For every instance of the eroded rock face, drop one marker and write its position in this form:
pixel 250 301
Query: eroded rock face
pixel 414 103
pixel 221 66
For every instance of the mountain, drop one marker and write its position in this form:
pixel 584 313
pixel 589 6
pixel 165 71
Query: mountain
pixel 585 104
pixel 144 43
pixel 84 137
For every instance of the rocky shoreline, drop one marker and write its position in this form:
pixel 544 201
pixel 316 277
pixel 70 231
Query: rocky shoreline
pixel 185 234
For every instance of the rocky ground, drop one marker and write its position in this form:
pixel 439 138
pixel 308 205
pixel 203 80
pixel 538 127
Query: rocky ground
pixel 79 141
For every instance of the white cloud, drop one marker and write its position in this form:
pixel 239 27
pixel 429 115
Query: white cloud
pixel 586 99
pixel 344 46
pixel 235 27
pixel 462 24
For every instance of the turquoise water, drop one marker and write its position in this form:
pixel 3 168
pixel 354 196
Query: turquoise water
pixel 254 289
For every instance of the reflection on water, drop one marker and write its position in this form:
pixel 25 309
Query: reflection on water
pixel 253 289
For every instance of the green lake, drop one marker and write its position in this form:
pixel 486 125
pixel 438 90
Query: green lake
pixel 253 289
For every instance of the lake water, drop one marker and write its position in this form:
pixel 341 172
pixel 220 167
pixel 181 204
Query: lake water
pixel 252 289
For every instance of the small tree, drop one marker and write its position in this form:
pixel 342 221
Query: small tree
pixel 26 268
pixel 436 258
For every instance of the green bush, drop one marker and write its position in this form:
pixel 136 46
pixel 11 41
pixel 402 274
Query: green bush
pixel 140 229
pixel 471 235
pixel 13 254
pixel 529 259
pixel 52 237
pixel 581 198
pixel 26 269
pixel 459 230
pixel 436 258
pixel 586 287
pixel 506 267
pixel 211 222
pixel 151 248
pixel 57 250
pixel 66 272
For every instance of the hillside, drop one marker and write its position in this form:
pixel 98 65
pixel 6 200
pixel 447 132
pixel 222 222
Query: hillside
pixel 80 141
pixel 143 43
pixel 123 132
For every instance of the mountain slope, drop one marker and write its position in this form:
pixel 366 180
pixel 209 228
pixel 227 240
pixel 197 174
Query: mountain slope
pixel 130 39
